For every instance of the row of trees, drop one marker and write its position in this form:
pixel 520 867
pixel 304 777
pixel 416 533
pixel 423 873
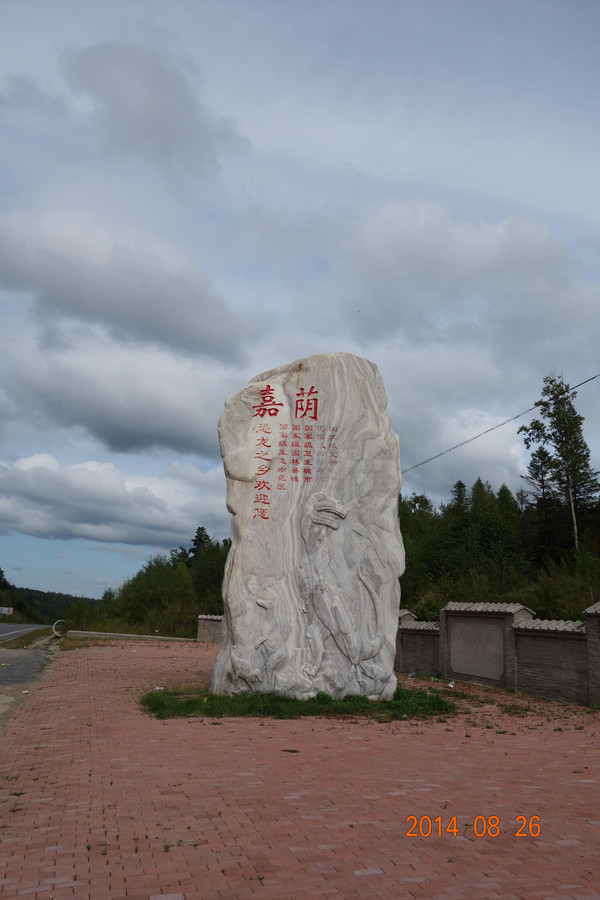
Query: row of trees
pixel 166 596
pixel 484 546
pixel 539 547
pixel 30 605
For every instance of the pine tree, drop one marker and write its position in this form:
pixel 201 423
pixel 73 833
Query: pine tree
pixel 566 458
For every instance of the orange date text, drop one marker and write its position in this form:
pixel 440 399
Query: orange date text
pixel 483 826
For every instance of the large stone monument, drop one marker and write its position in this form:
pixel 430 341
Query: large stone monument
pixel 311 587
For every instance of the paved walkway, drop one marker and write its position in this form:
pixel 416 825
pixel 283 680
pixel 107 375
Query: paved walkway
pixel 99 801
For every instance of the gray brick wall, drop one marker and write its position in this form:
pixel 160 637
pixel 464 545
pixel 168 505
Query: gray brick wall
pixel 551 659
pixel 593 653
pixel 553 665
pixel 418 651
pixel 209 629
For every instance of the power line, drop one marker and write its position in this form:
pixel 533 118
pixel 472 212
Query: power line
pixel 487 431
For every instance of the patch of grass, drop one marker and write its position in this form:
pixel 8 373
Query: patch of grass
pixel 26 640
pixel 515 709
pixel 68 643
pixel 189 702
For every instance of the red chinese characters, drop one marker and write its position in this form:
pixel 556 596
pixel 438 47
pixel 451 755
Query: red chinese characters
pixel 298 452
pixel 307 403
pixel 267 405
pixel 283 457
pixel 262 487
pixel 307 468
pixel 332 447
pixel 306 451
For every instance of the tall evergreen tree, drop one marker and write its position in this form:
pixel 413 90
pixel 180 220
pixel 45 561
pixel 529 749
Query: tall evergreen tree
pixel 540 478
pixel 559 432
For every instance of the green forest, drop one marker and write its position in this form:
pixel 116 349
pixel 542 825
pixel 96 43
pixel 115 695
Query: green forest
pixel 30 605
pixel 539 547
pixel 166 596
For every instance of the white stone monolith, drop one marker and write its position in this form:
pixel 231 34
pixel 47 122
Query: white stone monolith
pixel 311 590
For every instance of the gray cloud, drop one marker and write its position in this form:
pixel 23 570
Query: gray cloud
pixel 139 292
pixel 146 107
pixel 443 395
pixel 23 94
pixel 411 270
pixel 127 400
pixel 95 501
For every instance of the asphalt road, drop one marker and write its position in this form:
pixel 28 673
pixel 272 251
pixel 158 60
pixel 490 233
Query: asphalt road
pixel 8 630
pixel 19 668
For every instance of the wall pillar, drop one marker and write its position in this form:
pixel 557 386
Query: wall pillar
pixel 592 633
pixel 511 676
pixel 405 618
pixel 444 657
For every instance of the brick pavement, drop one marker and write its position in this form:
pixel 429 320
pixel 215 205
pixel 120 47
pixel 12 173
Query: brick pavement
pixel 98 800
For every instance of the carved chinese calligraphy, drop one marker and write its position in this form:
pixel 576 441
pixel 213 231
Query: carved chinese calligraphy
pixel 306 403
pixel 311 586
pixel 267 405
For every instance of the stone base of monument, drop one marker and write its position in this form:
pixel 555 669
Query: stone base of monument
pixel 311 591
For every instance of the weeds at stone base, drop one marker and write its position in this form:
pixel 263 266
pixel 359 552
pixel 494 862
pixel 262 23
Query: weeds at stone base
pixel 193 702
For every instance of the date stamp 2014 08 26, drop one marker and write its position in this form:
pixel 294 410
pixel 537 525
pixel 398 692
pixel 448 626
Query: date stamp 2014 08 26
pixel 483 826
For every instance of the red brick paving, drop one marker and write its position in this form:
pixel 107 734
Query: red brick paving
pixel 98 800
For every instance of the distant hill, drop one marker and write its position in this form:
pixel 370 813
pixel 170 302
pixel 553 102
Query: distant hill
pixel 43 607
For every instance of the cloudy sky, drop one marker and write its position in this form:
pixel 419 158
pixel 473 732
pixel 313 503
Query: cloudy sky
pixel 195 191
